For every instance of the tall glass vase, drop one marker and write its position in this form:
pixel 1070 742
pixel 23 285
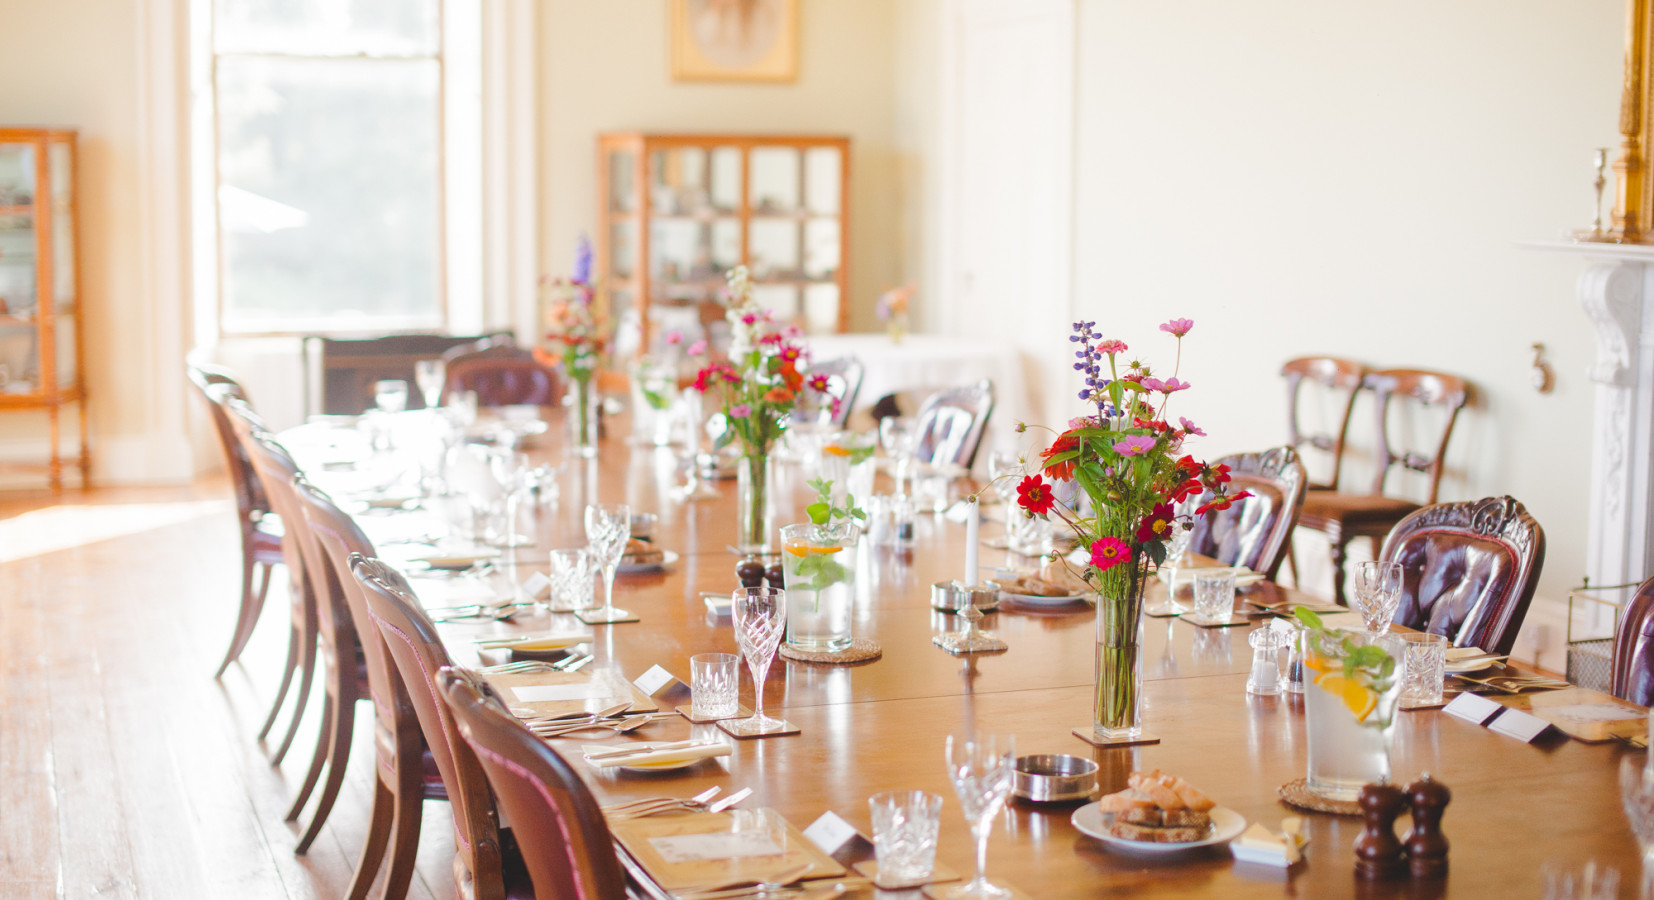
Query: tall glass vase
pixel 753 497
pixel 582 413
pixel 1117 713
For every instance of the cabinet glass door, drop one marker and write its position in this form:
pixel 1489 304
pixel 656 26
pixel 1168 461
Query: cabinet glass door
pixel 19 351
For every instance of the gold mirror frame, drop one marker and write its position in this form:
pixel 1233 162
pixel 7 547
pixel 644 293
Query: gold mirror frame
pixel 1634 197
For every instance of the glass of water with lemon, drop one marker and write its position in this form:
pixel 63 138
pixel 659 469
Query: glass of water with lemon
pixel 1350 702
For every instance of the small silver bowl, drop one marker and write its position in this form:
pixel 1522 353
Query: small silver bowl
pixel 1054 778
pixel 950 596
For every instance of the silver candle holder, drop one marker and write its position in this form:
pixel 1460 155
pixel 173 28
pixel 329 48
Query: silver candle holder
pixel 967 601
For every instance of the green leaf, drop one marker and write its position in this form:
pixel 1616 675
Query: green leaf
pixel 819 512
pixel 1310 619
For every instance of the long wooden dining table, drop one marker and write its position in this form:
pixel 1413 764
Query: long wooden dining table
pixel 876 726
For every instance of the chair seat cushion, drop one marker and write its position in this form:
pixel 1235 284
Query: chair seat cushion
pixel 1351 511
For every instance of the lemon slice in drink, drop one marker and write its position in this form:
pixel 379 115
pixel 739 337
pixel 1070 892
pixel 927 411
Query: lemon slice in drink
pixel 1360 699
pixel 802 549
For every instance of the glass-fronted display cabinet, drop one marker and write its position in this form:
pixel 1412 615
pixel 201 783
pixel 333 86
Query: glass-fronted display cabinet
pixel 678 211
pixel 40 312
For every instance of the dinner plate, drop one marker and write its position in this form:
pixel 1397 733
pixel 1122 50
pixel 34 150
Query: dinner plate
pixel 442 560
pixel 1091 820
pixel 1016 599
pixel 668 558
pixel 1471 667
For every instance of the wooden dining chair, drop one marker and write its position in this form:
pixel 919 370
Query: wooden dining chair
pixel 483 867
pixel 260 527
pixel 407 773
pixel 1255 531
pixel 252 437
pixel 565 840
pixel 505 376
pixel 950 424
pixel 844 376
pixel 1632 674
pixel 1339 378
pixel 1469 570
pixel 1343 517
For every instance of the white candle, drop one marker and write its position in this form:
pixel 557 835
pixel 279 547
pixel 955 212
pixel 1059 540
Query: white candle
pixel 971 525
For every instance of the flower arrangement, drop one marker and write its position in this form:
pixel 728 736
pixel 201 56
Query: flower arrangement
pixel 762 379
pixel 892 310
pixel 1127 460
pixel 573 333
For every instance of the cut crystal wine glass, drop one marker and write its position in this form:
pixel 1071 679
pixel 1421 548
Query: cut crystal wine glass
pixel 760 617
pixel 982 769
pixel 608 528
pixel 1377 593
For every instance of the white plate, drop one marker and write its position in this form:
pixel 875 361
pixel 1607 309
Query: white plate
pixel 1472 667
pixel 456 560
pixel 1090 819
pixel 1037 600
pixel 668 558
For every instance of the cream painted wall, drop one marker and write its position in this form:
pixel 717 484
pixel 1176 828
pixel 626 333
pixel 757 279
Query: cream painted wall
pixel 605 67
pixel 1343 179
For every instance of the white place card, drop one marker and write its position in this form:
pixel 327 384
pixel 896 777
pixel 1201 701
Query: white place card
pixel 1472 708
pixel 551 693
pixel 687 848
pixel 1520 725
pixel 536 584
pixel 653 680
pixel 831 833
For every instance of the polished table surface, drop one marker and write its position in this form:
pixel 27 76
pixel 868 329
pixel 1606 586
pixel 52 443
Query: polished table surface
pixel 881 725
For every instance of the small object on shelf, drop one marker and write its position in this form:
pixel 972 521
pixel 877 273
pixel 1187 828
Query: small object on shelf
pixel 1378 854
pixel 1426 844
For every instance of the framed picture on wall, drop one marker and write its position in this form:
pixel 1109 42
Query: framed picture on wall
pixel 734 40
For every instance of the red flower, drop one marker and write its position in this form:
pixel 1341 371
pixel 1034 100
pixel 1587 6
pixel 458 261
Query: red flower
pixel 1157 525
pixel 779 394
pixel 1034 495
pixel 703 378
pixel 1064 470
pixel 1109 552
pixel 1140 422
pixel 1218 474
pixel 1190 488
pixel 791 376
pixel 1219 503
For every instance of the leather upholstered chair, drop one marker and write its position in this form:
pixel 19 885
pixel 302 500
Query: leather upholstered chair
pixel 260 528
pixel 566 842
pixel 1342 517
pixel 844 377
pixel 1469 570
pixel 483 867
pixel 1632 677
pixel 1255 531
pixel 504 375
pixel 950 424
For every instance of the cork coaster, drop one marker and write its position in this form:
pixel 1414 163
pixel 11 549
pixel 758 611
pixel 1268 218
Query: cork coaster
pixel 592 617
pixel 938 874
pixel 1297 793
pixel 1090 737
pixel 730 726
pixel 741 712
pixel 861 650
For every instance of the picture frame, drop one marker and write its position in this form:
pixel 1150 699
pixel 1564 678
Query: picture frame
pixel 734 40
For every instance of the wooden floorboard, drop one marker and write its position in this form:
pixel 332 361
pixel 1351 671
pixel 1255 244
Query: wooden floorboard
pixel 126 770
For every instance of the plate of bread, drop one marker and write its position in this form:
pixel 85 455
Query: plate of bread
pixel 1158 813
pixel 1032 590
pixel 643 556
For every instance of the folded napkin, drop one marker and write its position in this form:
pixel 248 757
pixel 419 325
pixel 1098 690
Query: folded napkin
pixel 665 755
pixel 1260 845
pixel 456 559
pixel 532 641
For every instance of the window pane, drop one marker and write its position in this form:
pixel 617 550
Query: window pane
pixel 326 27
pixel 328 194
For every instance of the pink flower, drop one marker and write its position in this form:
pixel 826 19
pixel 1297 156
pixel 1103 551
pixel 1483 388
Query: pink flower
pixel 1134 445
pixel 1109 552
pixel 1082 422
pixel 1172 386
pixel 1178 327
pixel 792 332
pixel 740 411
pixel 674 338
pixel 1112 347
pixel 1153 384
pixel 749 318
pixel 1190 427
pixel 771 339
pixel 789 353
pixel 818 382
pixel 697 348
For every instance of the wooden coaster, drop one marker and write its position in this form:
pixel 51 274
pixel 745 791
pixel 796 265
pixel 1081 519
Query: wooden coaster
pixel 1090 737
pixel 1230 622
pixel 861 649
pixel 938 874
pixel 741 712
pixel 788 729
pixel 1297 793
pixel 937 892
pixel 581 615
pixel 1420 707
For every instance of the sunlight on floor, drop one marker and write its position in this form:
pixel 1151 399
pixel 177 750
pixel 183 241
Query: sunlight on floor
pixel 62 527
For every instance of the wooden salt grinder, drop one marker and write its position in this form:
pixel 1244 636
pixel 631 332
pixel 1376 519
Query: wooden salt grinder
pixel 774 576
pixel 750 572
pixel 1378 854
pixel 1426 844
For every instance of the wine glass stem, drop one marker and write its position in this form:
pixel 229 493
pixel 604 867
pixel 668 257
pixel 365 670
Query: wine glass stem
pixel 609 587
pixel 760 670
pixel 980 831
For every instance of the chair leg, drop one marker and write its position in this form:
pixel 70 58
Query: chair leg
pixel 286 681
pixel 1292 562
pixel 307 675
pixel 344 713
pixel 380 823
pixel 410 800
pixel 1340 555
pixel 318 760
pixel 252 603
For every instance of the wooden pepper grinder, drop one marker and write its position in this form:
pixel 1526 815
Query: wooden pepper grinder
pixel 1426 844
pixel 1378 854
pixel 750 572
pixel 774 577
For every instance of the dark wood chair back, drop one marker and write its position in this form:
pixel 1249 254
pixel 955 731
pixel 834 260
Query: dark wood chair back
pixel 1255 531
pixel 951 424
pixel 417 653
pixel 1342 377
pixel 1469 570
pixel 349 367
pixel 1632 677
pixel 843 384
pixel 217 386
pixel 506 379
pixel 269 460
pixel 559 827
pixel 1423 388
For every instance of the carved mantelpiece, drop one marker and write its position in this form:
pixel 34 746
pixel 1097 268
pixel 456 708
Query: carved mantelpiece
pixel 1612 291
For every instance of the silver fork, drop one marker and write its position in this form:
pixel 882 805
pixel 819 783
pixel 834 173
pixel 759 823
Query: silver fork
pixel 698 801
pixel 566 664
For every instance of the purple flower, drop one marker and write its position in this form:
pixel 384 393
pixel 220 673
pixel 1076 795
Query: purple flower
pixel 1178 327
pixel 1172 386
pixel 1190 427
pixel 740 411
pixel 582 262
pixel 1134 445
